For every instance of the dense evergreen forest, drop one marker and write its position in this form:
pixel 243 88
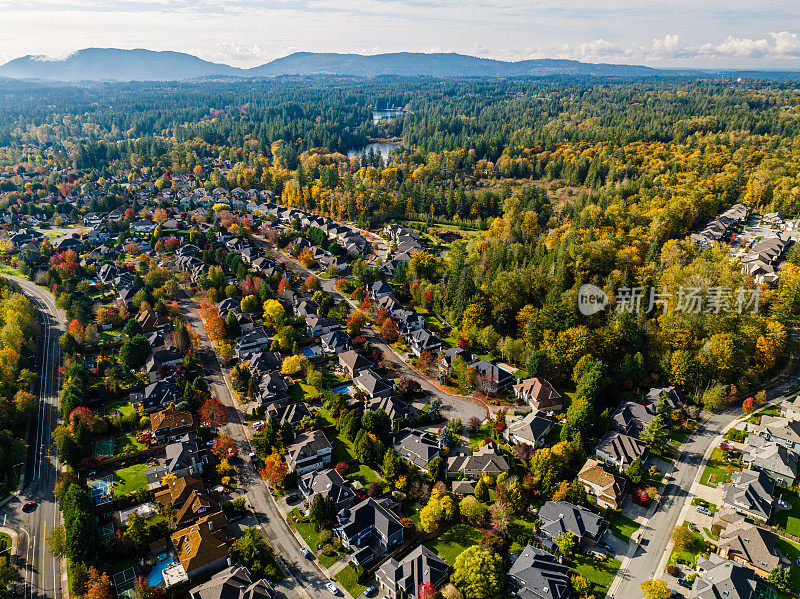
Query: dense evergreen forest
pixel 573 181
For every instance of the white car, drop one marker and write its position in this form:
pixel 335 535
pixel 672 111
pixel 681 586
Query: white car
pixel 332 588
pixel 257 424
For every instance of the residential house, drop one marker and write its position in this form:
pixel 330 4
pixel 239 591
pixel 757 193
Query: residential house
pixel 422 340
pixel 378 290
pixel 369 529
pixel 540 394
pixel 560 517
pixel 335 342
pixel 750 546
pixel 354 362
pixel 397 409
pixel 603 483
pixel 178 491
pixel 184 457
pixel 621 450
pixel 533 429
pixel 631 418
pixel 776 461
pixel 143 226
pixel 496 378
pixel 197 505
pixel 310 451
pixel 329 483
pixel 398 579
pixel 234 582
pixel 722 578
pixel 203 546
pixel 487 460
pixel 462 488
pixel 317 326
pixel 291 413
pixel 372 384
pixel 537 574
pixel 750 493
pixel 419 447
pixel 273 387
pixel 170 424
pixel 156 396
pixel 783 430
pixel 252 342
pixel 673 395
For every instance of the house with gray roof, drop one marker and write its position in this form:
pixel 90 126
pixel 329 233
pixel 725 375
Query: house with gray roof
pixel 537 574
pixel 630 418
pixel 369 529
pixel 776 461
pixel 620 450
pixel 185 457
pixel 532 429
pixel 783 430
pixel 310 451
pixel 750 493
pixel 487 460
pixel 419 447
pixel 397 409
pixel 722 578
pixel 421 566
pixel 372 384
pixel 560 517
pixel 750 546
pixel 354 362
pixel 235 582
pixel 329 483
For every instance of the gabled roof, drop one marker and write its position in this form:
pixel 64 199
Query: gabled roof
pixel 750 543
pixel 537 575
pixel 486 459
pixel 179 490
pixel 202 543
pixel 559 517
pixel 171 418
pixel 420 447
pixel 540 392
pixel 308 445
pixel 329 483
pixel 369 513
pixel 420 566
pixel 723 579
pixel 197 504
pixel 234 582
pixel 372 383
pixel 353 360
pixel 750 491
pixel 622 448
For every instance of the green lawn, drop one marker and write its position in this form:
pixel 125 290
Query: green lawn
pixel 689 556
pixel 789 520
pixel 621 526
pixel 324 418
pixel 411 510
pixel 128 443
pixel 792 551
pixel 302 392
pixel 130 479
pixel 454 540
pixel 311 537
pixel 347 578
pixel 716 470
pixel 123 407
pixel 343 450
pixel 600 573
pixel 364 474
pixel 704 503
pixel 5 542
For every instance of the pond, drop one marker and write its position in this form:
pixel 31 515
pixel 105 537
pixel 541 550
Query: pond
pixel 383 147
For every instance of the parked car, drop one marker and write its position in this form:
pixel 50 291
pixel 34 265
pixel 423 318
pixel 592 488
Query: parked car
pixel 684 583
pixel 291 498
pixel 29 506
pixel 306 553
pixel 257 424
pixel 369 590
pixel 701 509
pixel 607 547
pixel 332 588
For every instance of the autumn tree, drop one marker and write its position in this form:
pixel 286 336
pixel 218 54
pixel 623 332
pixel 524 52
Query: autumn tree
pixel 655 589
pixel 98 585
pixel 213 413
pixel 275 469
pixel 224 447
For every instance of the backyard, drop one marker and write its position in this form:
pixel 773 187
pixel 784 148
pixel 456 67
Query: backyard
pixel 789 520
pixel 792 551
pixel 453 541
pixel 311 537
pixel 364 474
pixel 130 479
pixel 689 557
pixel 128 443
pixel 621 526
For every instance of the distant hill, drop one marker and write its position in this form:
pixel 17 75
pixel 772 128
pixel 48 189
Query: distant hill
pixel 112 64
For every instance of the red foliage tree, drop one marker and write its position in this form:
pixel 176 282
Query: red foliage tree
pixel 213 413
pixel 748 405
pixel 426 590
pixel 224 447
pixel 389 330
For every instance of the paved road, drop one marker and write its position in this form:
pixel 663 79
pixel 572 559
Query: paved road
pixel 305 578
pixel 655 536
pixel 41 573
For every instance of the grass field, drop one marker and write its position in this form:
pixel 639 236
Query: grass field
pixel 5 542
pixel 453 541
pixel 347 578
pixel 311 536
pixel 130 479
pixel 689 556
pixel 600 573
pixel 364 474
pixel 789 520
pixel 411 510
pixel 123 407
pixel 716 470
pixel 128 444
pixel 621 526
pixel 792 551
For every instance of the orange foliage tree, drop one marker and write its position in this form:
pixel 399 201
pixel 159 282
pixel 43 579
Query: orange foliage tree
pixel 224 447
pixel 213 413
pixel 275 469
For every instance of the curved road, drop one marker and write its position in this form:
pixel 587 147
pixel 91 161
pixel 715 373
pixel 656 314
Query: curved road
pixel 40 572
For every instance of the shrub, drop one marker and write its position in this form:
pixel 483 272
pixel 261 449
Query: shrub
pixel 672 570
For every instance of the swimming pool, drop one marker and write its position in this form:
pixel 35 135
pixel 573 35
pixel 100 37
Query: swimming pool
pixel 156 576
pixel 308 352
pixel 342 389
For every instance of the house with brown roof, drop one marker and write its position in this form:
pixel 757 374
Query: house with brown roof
pixel 540 394
pixel 196 506
pixel 750 546
pixel 354 362
pixel 603 483
pixel 151 321
pixel 178 492
pixel 171 424
pixel 203 546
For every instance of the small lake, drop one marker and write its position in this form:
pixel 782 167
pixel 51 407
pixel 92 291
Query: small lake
pixel 383 147
pixel 390 113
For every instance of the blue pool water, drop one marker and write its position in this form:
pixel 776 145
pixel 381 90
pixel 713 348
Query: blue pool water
pixel 156 576
pixel 342 389
pixel 307 352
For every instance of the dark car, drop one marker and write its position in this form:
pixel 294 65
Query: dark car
pixel 29 506
pixel 607 547
pixel 369 590
pixel 291 498
pixel 684 583
pixel 306 553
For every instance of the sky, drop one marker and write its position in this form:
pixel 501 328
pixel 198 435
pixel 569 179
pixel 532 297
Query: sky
pixel 673 33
